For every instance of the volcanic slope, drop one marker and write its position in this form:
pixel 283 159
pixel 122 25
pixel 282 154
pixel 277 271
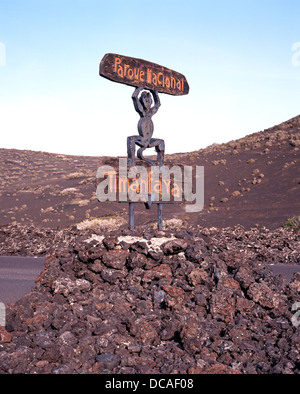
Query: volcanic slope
pixel 253 181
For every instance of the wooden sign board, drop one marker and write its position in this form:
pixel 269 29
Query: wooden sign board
pixel 137 72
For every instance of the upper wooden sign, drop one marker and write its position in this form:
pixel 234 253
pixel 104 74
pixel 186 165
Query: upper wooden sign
pixel 138 72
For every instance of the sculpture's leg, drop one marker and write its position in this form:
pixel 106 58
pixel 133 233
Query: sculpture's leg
pixel 131 150
pixel 160 149
pixel 140 156
pixel 160 153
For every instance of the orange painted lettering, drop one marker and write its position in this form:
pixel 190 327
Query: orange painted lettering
pixel 173 86
pixel 149 75
pixel 120 71
pixel 117 62
pixel 112 179
pixel 160 82
pixel 135 187
pixel 123 185
pixel 130 73
pixel 143 184
pixel 176 191
pixel 136 74
pixel 126 66
pixel 167 82
pixel 158 187
pixel 154 79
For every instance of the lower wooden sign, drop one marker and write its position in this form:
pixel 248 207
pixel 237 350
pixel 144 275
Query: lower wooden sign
pixel 141 73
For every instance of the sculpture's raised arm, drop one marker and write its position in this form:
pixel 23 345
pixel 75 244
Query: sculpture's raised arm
pixel 157 103
pixel 136 102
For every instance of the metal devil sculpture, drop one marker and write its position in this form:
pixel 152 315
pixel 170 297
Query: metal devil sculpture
pixel 148 79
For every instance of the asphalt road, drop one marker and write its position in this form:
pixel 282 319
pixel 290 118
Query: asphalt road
pixel 286 270
pixel 17 275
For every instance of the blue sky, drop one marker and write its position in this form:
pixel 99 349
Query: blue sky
pixel 240 57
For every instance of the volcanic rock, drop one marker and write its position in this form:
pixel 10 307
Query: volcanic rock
pixel 210 304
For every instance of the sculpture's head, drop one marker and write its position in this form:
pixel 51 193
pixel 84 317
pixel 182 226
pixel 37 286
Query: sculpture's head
pixel 146 100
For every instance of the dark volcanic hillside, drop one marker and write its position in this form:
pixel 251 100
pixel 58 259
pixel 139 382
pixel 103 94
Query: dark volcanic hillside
pixel 251 181
pixel 254 180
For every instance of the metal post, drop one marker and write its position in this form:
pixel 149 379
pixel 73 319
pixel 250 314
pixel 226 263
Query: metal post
pixel 131 215
pixel 160 216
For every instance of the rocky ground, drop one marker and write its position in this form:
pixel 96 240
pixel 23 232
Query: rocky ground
pixel 196 301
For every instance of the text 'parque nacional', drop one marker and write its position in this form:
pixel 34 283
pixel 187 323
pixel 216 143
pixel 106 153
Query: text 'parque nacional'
pixel 137 72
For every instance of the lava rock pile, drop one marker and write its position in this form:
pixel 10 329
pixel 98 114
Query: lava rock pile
pixel 201 301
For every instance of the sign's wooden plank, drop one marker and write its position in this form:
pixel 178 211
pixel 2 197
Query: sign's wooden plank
pixel 137 72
